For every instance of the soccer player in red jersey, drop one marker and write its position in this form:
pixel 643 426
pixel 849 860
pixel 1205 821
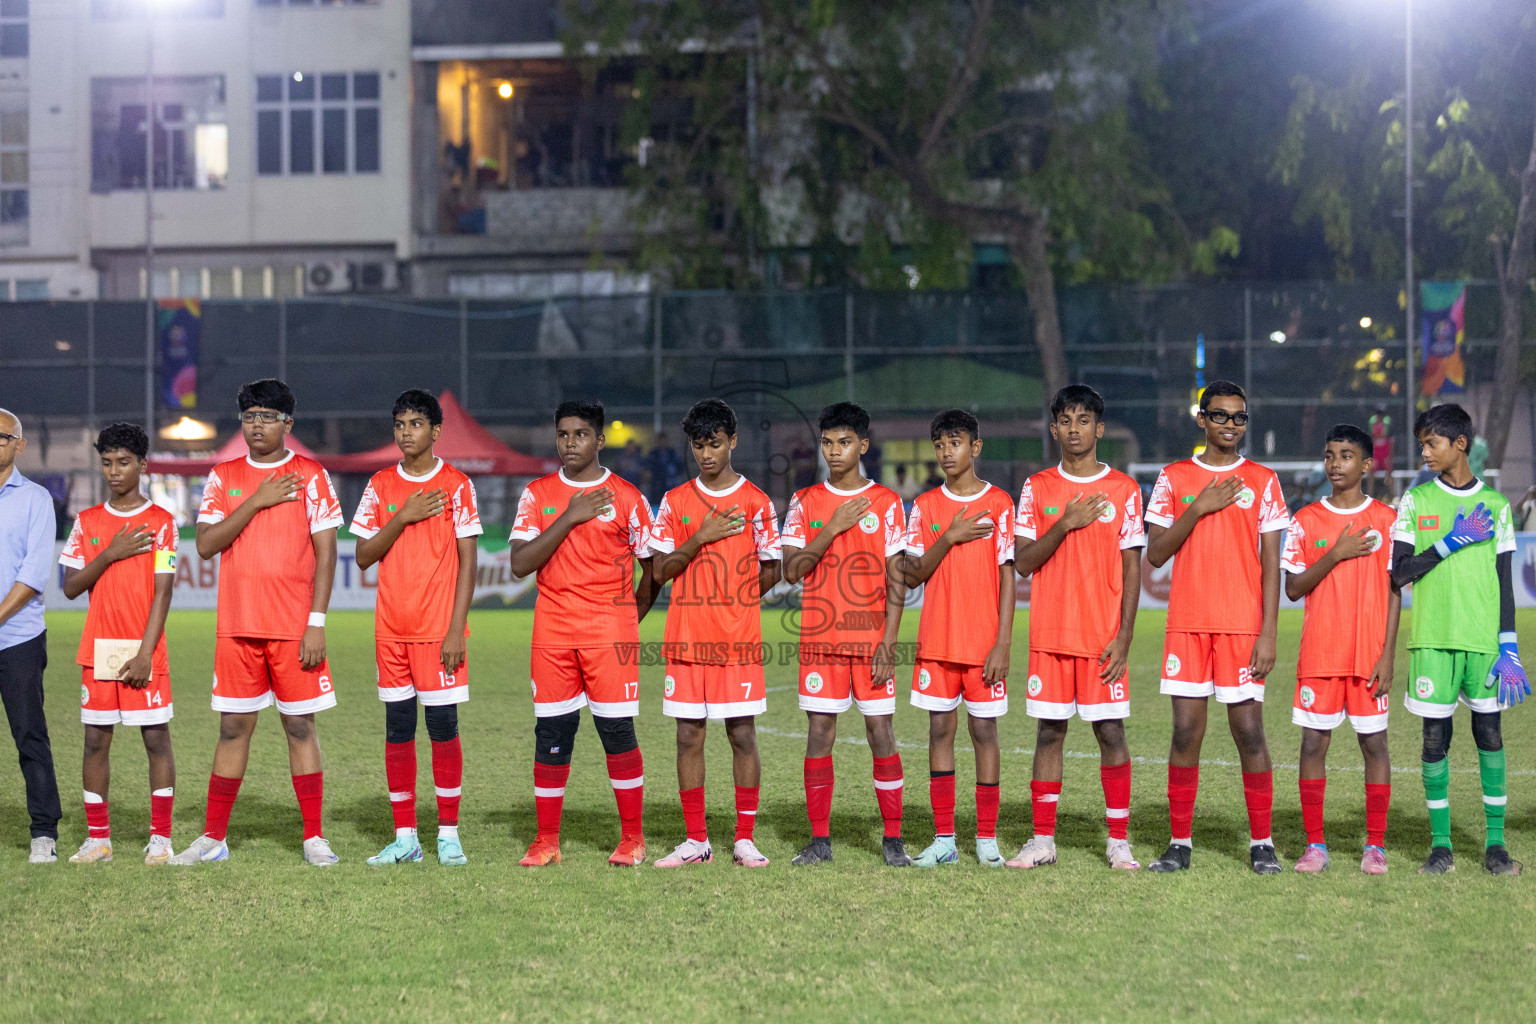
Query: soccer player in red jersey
pixel 124 554
pixel 418 521
pixel 718 536
pixel 1078 530
pixel 959 543
pixel 844 539
pixel 272 518
pixel 1338 557
pixel 1222 516
pixel 582 529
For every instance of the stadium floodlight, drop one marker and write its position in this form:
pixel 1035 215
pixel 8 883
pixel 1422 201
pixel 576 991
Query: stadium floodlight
pixel 1278 337
pixel 1365 323
pixel 505 90
pixel 188 429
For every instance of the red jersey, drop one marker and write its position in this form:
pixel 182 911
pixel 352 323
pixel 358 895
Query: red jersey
pixel 121 599
pixel 959 621
pixel 1074 603
pixel 1217 584
pixel 842 604
pixel 713 616
pixel 587 588
pixel 1345 624
pixel 267 576
pixel 420 572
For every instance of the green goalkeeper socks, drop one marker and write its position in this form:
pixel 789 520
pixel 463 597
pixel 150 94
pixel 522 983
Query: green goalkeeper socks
pixel 1490 766
pixel 1437 784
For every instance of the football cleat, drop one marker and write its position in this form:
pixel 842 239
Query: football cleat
pixel 1440 862
pixel 1039 850
pixel 689 851
pixel 204 850
pixel 1374 861
pixel 43 851
pixel 158 850
pixel 817 851
pixel 940 851
pixel 93 851
pixel 1264 859
pixel 404 849
pixel 544 851
pixel 748 855
pixel 1118 852
pixel 449 853
pixel 1313 859
pixel 629 853
pixel 317 852
pixel 987 854
pixel 895 852
pixel 1498 861
pixel 1175 858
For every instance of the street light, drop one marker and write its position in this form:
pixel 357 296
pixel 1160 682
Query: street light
pixel 1408 337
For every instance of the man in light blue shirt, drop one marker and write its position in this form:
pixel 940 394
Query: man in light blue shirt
pixel 26 559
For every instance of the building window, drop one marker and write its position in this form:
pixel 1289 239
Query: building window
pixel 14 33
pixel 117 10
pixel 14 173
pixel 317 124
pixel 317 3
pixel 191 133
pixel 32 291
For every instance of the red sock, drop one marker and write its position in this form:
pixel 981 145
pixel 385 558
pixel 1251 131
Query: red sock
pixel 888 786
pixel 941 794
pixel 97 817
pixel 160 801
pixel 1042 801
pixel 1312 791
pixel 400 777
pixel 1259 795
pixel 310 789
pixel 549 796
pixel 746 811
pixel 1183 784
pixel 626 772
pixel 221 800
pixel 1377 799
pixel 988 795
pixel 1116 780
pixel 819 781
pixel 447 778
pixel 693 813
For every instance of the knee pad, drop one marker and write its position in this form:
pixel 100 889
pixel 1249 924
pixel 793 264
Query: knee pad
pixel 400 720
pixel 1437 739
pixel 617 734
pixel 554 737
pixel 1487 732
pixel 442 722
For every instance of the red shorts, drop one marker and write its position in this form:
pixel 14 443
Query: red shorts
pixel 416 670
pixel 831 685
pixel 940 686
pixel 1207 664
pixel 249 674
pixel 713 691
pixel 110 702
pixel 1063 684
pixel 567 679
pixel 1323 701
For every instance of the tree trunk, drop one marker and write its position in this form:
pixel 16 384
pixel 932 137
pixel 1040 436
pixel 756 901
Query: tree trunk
pixel 1514 278
pixel 1029 248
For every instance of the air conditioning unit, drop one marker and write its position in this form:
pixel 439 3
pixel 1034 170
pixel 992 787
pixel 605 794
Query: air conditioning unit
pixel 377 276
pixel 327 277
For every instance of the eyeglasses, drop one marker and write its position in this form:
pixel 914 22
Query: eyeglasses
pixel 1221 416
pixel 6 439
pixel 261 417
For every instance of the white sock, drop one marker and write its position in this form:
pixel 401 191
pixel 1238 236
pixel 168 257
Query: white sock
pixel 447 831
pixel 1188 844
pixel 403 833
pixel 1266 841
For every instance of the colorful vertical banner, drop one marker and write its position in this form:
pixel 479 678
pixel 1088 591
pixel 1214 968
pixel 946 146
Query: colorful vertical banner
pixel 179 325
pixel 1443 308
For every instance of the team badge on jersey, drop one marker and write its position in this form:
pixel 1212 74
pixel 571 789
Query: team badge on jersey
pixel 85 695
pixel 1036 684
pixel 1245 498
pixel 534 685
pixel 671 685
pixel 1108 515
pixel 1374 538
pixel 813 682
pixel 1423 686
pixel 608 514
pixel 1308 698
pixel 1171 666
pixel 924 680
pixel 870 523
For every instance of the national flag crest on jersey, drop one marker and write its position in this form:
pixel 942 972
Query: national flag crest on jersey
pixel 924 680
pixel 813 682
pixel 1308 697
pixel 669 687
pixel 1036 684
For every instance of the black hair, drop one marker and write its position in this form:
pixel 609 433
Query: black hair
pixel 417 400
pixel 1221 389
pixel 846 415
pixel 1449 421
pixel 954 421
pixel 268 393
pixel 1351 434
pixel 1077 396
pixel 707 418
pixel 130 437
pixel 590 410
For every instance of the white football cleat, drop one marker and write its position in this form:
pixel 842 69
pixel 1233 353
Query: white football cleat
pixel 317 852
pixel 1119 853
pixel 1038 851
pixel 689 851
pixel 204 850
pixel 748 855
pixel 43 851
pixel 158 851
pixel 93 851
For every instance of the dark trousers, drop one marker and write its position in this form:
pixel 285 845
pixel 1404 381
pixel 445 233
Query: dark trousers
pixel 21 690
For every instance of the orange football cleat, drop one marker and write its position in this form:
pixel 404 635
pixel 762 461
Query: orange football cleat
pixel 631 852
pixel 545 850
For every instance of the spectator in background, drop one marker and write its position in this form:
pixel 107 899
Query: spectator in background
pixel 934 479
pixel 1381 449
pixel 802 464
pixel 666 468
pixel 1477 456
pixel 874 464
pixel 1525 510
pixel 631 463
pixel 907 487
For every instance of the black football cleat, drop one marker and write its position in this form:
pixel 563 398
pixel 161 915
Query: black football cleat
pixel 1264 860
pixel 817 851
pixel 1498 861
pixel 1439 862
pixel 895 852
pixel 1175 858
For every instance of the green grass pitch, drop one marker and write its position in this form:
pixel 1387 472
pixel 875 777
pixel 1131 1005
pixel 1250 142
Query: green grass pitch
pixel 263 937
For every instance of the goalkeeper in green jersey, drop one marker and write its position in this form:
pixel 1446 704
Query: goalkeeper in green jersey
pixel 1453 539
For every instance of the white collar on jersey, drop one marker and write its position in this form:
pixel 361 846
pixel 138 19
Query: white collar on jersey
pixel 579 484
pixel 400 468
pixel 1101 474
pixel 126 515
pixel 985 487
pixel 1466 492
pixel 1217 469
pixel 848 494
pixel 1331 507
pixel 287 457
pixel 720 494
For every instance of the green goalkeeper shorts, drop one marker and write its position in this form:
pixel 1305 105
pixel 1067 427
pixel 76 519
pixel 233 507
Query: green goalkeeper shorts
pixel 1437 679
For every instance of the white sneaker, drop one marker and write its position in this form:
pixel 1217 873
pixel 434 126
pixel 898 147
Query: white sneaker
pixel 158 851
pixel 93 851
pixel 44 851
pixel 689 851
pixel 748 855
pixel 1039 850
pixel 1119 853
pixel 318 852
pixel 204 850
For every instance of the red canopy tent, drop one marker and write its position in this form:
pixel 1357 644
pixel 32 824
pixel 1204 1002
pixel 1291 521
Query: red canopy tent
pixel 464 443
pixel 200 465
